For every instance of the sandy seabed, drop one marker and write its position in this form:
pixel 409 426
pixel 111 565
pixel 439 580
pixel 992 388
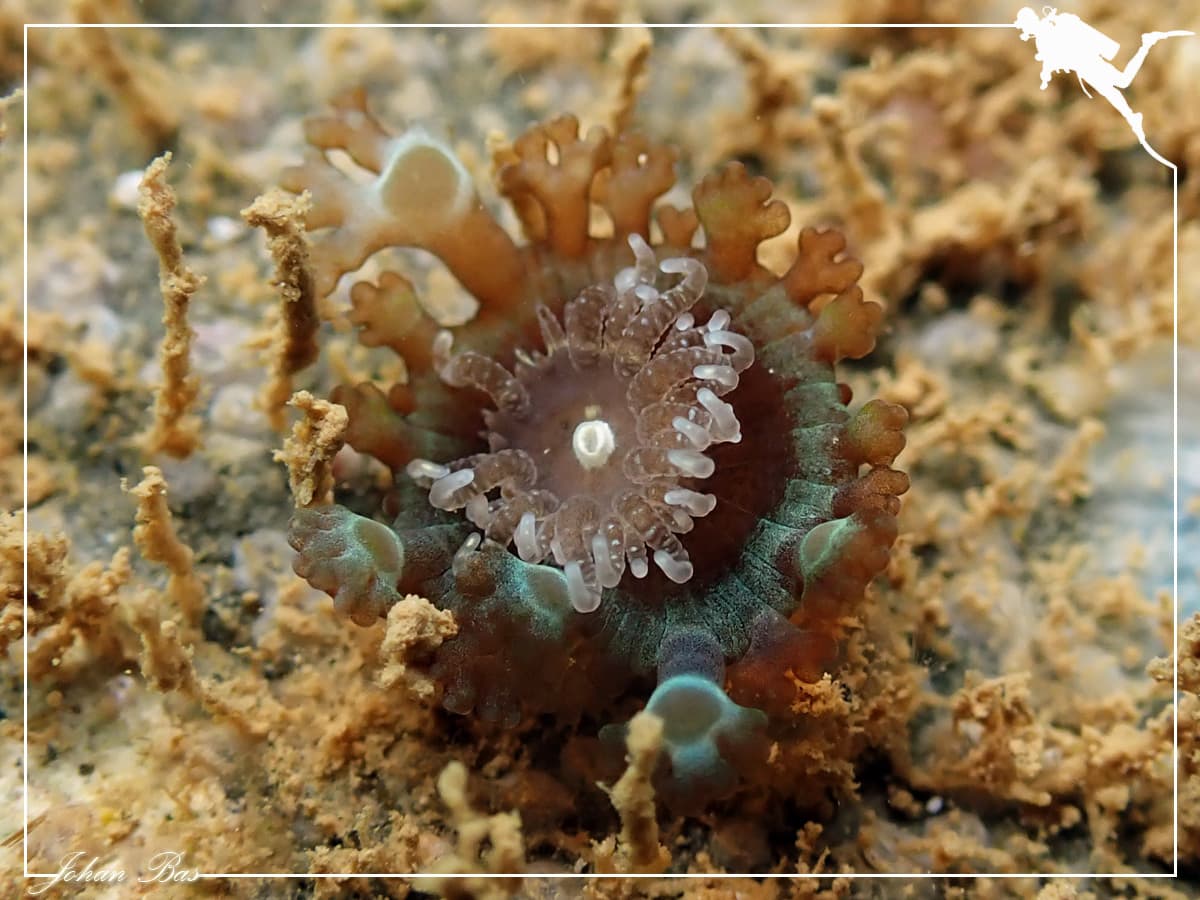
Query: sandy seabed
pixel 1005 702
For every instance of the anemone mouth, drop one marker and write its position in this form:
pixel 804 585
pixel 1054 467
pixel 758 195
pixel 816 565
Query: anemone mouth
pixel 597 447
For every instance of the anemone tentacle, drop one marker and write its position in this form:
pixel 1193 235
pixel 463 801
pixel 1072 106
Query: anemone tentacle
pixel 615 493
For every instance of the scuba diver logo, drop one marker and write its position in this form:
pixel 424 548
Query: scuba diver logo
pixel 1066 43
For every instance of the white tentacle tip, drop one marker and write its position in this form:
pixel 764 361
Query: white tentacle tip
pixel 584 597
pixel 679 571
pixel 525 538
pixel 691 463
pixel 725 376
pixel 442 491
pixel 425 472
pixel 694 502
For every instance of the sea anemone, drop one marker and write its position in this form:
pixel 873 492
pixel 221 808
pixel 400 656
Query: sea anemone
pixel 593 443
pixel 636 459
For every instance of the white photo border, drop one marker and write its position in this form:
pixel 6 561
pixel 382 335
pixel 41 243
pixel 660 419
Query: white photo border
pixel 667 876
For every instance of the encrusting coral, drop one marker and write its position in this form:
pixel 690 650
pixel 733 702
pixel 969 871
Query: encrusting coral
pixel 668 479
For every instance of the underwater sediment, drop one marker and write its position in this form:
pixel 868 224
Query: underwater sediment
pixel 777 441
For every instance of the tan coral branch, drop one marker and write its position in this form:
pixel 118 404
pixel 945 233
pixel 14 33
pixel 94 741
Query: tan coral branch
pixel 678 225
pixel 414 627
pixel 281 216
pixel 737 213
pixel 640 173
pixel 639 849
pixel 166 662
pixel 308 453
pixel 502 831
pixel 821 266
pixel 628 56
pixel 148 105
pixel 91 598
pixel 389 314
pixel 774 92
pixel 155 537
pixel 556 165
pixel 422 196
pixel 174 431
pixel 11 100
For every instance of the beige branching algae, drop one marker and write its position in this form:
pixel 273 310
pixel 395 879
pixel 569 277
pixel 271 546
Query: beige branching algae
pixel 175 431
